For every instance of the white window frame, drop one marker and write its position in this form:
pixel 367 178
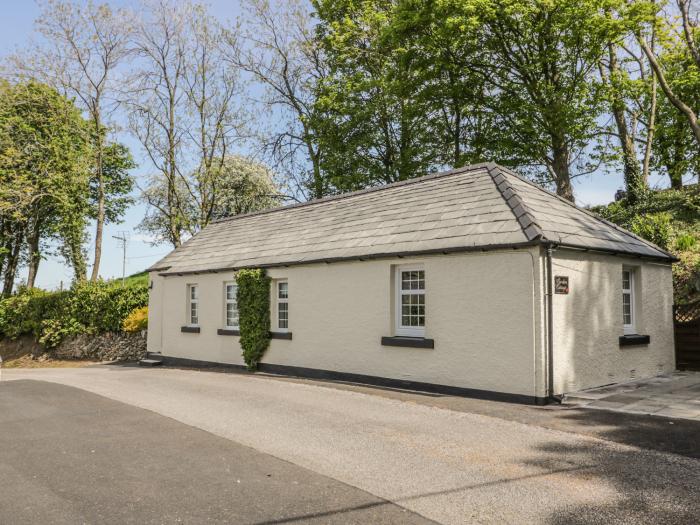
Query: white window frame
pixel 630 328
pixel 281 300
pixel 192 301
pixel 233 301
pixel 399 328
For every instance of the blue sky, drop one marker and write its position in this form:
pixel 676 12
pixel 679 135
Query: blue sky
pixel 16 27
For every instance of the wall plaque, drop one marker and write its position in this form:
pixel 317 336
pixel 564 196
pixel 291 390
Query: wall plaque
pixel 561 284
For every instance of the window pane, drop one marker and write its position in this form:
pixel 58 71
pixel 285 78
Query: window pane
pixel 283 291
pixel 194 317
pixel 283 315
pixel 625 280
pixel 193 292
pixel 231 290
pixel 413 310
pixel 231 314
pixel 627 308
pixel 413 280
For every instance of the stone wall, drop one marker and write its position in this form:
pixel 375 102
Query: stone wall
pixel 103 347
pixel 23 345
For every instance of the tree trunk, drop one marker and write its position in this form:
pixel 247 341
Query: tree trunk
pixel 560 169
pixel 319 191
pixel 78 259
pixel 457 134
pixel 634 183
pixel 100 220
pixel 675 168
pixel 676 177
pixel 651 129
pixel 34 255
pixel 174 207
pixel 633 177
pixel 11 263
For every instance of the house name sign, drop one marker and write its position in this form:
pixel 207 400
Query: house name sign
pixel 561 284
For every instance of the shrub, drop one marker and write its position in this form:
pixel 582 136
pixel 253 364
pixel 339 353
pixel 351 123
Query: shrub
pixel 685 242
pixel 86 308
pixel 137 320
pixel 103 306
pixel 23 313
pixel 54 331
pixel 654 227
pixel 254 314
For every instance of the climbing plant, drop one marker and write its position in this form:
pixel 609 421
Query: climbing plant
pixel 254 314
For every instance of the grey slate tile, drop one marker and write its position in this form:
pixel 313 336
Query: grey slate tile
pixel 470 207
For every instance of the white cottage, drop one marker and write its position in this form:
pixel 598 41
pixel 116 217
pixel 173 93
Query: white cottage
pixel 473 282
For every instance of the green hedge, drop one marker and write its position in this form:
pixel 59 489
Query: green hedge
pixel 254 314
pixel 85 308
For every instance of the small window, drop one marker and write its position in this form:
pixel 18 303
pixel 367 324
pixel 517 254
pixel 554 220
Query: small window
pixel 282 306
pixel 193 304
pixel 410 301
pixel 231 302
pixel 628 313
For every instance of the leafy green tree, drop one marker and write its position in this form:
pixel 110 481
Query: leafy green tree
pixel 624 87
pixel 464 126
pixel 375 126
pixel 44 148
pixel 117 183
pixel 85 43
pixel 676 150
pixel 108 195
pixel 540 57
pixel 645 17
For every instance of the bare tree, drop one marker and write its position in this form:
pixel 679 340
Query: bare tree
pixel 213 91
pixel 85 46
pixel 184 109
pixel 282 55
pixel 156 97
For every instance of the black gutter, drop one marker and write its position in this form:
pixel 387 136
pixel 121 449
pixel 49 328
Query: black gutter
pixel 550 324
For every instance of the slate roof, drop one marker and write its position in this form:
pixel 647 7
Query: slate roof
pixel 477 207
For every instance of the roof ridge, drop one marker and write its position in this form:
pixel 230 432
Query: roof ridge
pixel 342 196
pixel 587 212
pixel 526 219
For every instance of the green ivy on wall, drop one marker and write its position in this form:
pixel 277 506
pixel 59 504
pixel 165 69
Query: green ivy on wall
pixel 254 314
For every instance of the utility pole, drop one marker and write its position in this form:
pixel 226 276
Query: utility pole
pixel 123 238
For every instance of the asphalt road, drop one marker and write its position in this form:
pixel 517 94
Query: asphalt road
pixel 446 465
pixel 70 456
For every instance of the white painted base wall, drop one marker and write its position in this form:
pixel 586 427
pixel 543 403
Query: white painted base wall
pixel 481 312
pixel 588 321
pixel 485 312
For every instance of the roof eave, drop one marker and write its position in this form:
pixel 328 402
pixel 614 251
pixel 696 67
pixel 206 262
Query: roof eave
pixel 663 258
pixel 387 255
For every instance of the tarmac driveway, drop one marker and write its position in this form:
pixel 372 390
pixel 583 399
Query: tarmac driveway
pixel 70 456
pixel 446 465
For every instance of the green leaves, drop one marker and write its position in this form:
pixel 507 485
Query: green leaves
pixel 414 86
pixel 254 314
pixel 44 160
pixel 88 307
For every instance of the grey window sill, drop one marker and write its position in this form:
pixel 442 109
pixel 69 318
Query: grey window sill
pixel 634 340
pixel 190 329
pixel 408 342
pixel 280 335
pixel 228 331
